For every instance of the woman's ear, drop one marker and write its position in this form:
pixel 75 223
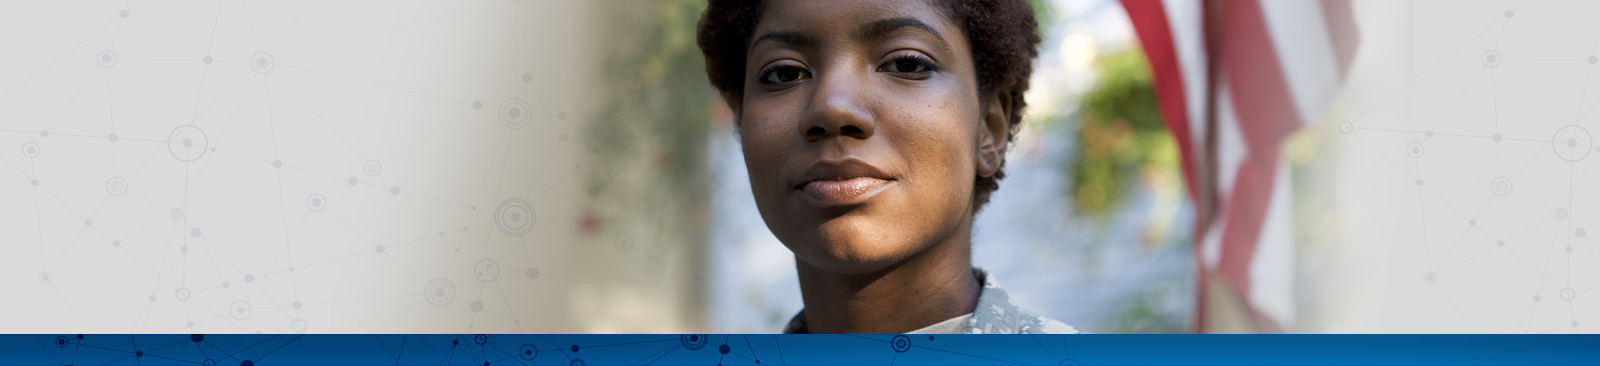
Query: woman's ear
pixel 994 133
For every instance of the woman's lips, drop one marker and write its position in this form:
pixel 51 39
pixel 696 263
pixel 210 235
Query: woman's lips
pixel 844 192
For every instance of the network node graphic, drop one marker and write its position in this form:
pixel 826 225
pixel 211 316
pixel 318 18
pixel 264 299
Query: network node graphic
pixel 900 343
pixel 487 270
pixel 439 292
pixel 692 342
pixel 514 113
pixel 515 217
pixel 116 186
pixel 187 143
pixel 30 150
pixel 239 310
pixel 106 59
pixel 262 63
pixel 1572 143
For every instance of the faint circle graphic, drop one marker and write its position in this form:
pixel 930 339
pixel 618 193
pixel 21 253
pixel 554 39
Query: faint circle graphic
pixel 514 217
pixel 1490 58
pixel 177 214
pixel 1500 186
pixel 487 270
pixel 44 277
pixel 692 342
pixel 533 273
pixel 576 362
pixel 372 168
pixel 477 306
pixel 1415 150
pixel 239 310
pixel 183 294
pixel 30 150
pixel 262 63
pixel 514 113
pixel 1561 214
pixel 1429 277
pixel 480 339
pixel 631 20
pixel 439 292
pixel 636 82
pixel 298 325
pixel 106 59
pixel 208 362
pixel 900 343
pixel 116 186
pixel 528 352
pixel 1568 294
pixel 689 299
pixel 316 202
pixel 61 341
pixel 1572 143
pixel 187 143
pixel 623 243
pixel 1346 127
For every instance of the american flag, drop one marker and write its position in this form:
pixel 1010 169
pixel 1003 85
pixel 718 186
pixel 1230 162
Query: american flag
pixel 1234 78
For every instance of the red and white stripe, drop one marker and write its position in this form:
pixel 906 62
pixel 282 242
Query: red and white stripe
pixel 1235 78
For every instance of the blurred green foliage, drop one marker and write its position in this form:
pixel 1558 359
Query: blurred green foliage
pixel 1121 135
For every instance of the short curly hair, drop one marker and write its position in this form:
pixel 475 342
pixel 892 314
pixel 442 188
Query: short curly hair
pixel 1003 33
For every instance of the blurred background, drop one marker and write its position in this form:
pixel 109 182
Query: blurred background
pixel 565 167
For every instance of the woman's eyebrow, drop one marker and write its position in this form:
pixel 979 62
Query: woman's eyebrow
pixel 881 28
pixel 792 38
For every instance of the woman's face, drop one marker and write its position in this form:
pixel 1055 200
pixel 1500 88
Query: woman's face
pixel 863 129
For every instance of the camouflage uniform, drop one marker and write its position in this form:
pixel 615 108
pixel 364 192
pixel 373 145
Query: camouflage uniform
pixel 996 314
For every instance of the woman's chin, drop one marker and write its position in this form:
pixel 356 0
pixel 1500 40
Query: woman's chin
pixel 852 251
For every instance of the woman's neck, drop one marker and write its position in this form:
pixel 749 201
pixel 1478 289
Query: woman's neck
pixel 927 288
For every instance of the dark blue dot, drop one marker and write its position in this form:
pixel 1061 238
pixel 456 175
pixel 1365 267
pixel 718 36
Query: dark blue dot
pixel 485 363
pixel 138 353
pixel 246 363
pixel 723 349
pixel 930 338
pixel 80 337
pixel 197 337
pixel 574 348
pixel 455 342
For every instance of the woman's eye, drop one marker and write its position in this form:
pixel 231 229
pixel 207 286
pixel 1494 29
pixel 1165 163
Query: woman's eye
pixel 784 74
pixel 906 64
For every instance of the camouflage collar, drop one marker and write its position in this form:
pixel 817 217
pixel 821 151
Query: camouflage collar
pixel 995 314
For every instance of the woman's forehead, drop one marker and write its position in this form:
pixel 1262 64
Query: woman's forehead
pixel 818 20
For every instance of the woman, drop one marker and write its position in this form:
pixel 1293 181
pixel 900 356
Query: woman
pixel 873 132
